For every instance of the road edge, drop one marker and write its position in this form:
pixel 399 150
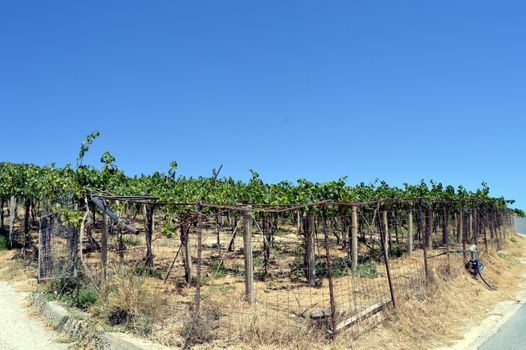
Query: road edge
pixel 63 321
pixel 501 313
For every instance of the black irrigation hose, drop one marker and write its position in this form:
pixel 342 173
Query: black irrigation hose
pixel 483 280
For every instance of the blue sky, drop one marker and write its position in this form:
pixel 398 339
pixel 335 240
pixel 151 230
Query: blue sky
pixel 396 90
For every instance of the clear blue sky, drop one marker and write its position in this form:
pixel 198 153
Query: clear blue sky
pixel 399 90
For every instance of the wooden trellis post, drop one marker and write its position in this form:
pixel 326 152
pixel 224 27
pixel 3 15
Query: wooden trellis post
pixel 199 231
pixel 462 231
pixel 427 237
pixel 329 273
pixel 247 251
pixel 149 222
pixel 410 231
pixel 187 255
pixel 12 217
pixel 310 243
pixel 475 226
pixel 429 223
pixel 104 254
pixel 383 239
pixel 354 238
pixel 386 231
pixel 445 231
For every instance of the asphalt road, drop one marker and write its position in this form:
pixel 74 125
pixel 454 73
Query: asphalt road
pixel 511 336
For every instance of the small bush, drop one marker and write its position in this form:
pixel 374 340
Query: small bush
pixel 340 267
pixel 237 268
pixel 198 331
pixel 134 303
pixel 143 327
pixel 4 243
pixel 144 271
pixel 86 297
pixel 396 252
pixel 218 268
pixel 259 261
pixel 368 270
pixel 131 241
pixel 202 329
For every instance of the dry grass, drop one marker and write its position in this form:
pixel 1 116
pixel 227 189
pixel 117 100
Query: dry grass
pixel 163 312
pixel 434 317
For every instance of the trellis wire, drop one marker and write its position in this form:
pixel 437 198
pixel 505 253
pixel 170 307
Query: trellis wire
pixel 337 299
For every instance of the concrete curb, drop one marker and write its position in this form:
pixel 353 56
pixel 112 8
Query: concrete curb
pixel 81 331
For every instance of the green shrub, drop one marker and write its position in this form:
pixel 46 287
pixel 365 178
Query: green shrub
pixel 218 268
pixel 4 243
pixel 396 252
pixel 259 262
pixel 143 326
pixel 144 271
pixel 340 267
pixel 131 241
pixel 368 270
pixel 86 297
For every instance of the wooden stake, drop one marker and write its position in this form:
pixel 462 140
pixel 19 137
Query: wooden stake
pixel 149 234
pixel 354 238
pixel 387 231
pixel 104 254
pixel 462 231
pixel 12 217
pixel 199 232
pixel 410 231
pixel 383 239
pixel 187 255
pixel 329 273
pixel 249 264
pixel 310 243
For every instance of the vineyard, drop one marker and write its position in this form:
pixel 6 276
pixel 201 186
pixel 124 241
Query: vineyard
pixel 210 260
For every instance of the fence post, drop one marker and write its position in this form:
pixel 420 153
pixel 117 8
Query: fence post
pixel 149 222
pixel 12 216
pixel 354 238
pixel 484 228
pixel 427 234
pixel 462 231
pixel 27 235
pixel 310 244
pixel 104 253
pixel 247 250
pixel 410 230
pixel 383 239
pixel 329 273
pixel 43 233
pixel 445 231
pixel 476 226
pixel 187 255
pixel 430 223
pixel 199 232
pixel 385 243
pixel 470 227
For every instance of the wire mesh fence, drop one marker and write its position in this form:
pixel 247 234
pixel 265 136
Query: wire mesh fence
pixel 58 247
pixel 322 268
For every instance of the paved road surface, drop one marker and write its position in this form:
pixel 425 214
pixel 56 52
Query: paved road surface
pixel 18 330
pixel 511 336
